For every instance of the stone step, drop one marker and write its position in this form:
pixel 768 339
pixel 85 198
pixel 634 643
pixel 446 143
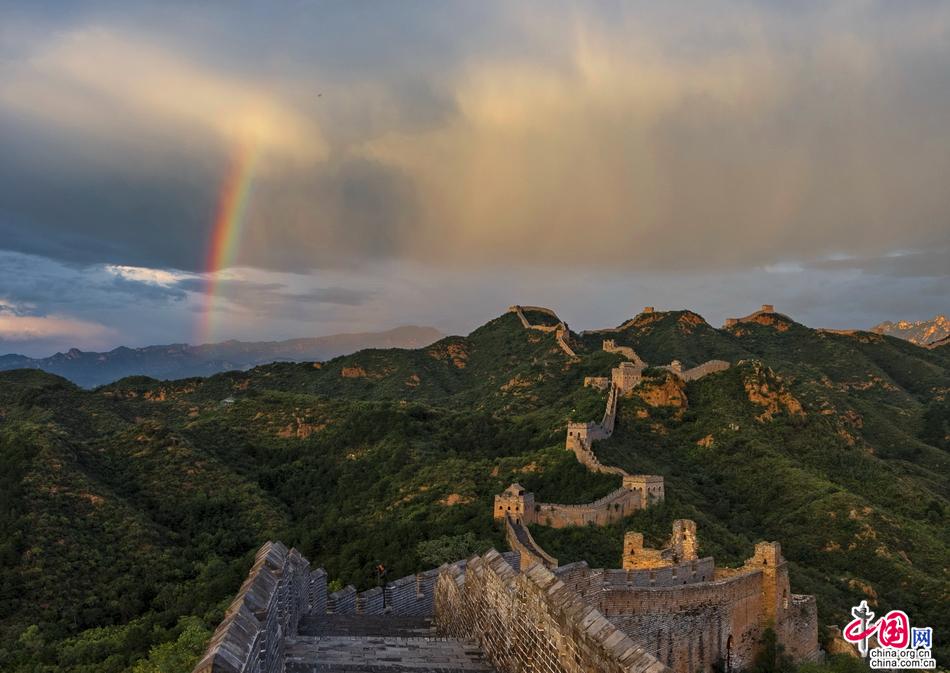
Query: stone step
pixel 383 654
pixel 366 625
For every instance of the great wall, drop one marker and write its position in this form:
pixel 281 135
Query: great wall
pixel 662 610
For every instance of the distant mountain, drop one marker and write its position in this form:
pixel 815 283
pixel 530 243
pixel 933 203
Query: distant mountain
pixel 176 361
pixel 920 332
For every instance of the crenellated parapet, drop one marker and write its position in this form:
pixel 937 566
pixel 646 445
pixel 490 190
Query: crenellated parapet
pixel 610 346
pixel 694 615
pixel 765 310
pixel 698 372
pixel 531 621
pixel 521 541
pixel 519 505
pixel 683 547
pixel 560 330
pixel 265 611
pixel 281 589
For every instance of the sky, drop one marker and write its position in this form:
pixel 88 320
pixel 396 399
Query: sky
pixel 193 172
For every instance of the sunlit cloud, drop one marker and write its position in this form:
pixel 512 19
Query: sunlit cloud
pixel 98 79
pixel 592 156
pixel 17 323
pixel 163 277
pixel 622 151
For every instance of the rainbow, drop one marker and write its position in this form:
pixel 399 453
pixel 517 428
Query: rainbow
pixel 228 228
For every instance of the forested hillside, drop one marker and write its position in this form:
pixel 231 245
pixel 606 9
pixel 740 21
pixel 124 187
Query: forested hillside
pixel 130 512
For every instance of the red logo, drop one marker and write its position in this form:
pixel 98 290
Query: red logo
pixel 893 630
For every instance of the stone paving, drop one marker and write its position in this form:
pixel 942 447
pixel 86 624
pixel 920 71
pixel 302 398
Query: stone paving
pixel 378 644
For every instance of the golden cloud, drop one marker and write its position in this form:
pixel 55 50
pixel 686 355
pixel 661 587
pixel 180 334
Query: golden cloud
pixel 99 80
pixel 29 328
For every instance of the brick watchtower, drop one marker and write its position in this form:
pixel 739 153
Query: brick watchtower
pixel 515 502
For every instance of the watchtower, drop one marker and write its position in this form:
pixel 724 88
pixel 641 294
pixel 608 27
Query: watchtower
pixel 517 503
pixel 775 586
pixel 649 486
pixel 683 542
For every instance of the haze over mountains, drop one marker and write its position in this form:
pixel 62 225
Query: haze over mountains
pixel 176 361
pixel 920 332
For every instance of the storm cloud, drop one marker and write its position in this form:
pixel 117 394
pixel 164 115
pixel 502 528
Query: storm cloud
pixel 653 144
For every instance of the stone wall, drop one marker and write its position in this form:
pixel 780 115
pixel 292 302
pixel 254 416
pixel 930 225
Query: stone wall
pixel 588 582
pixel 317 591
pixel 586 457
pixel 342 602
pixel 599 382
pixel 698 372
pixel 612 507
pixel 766 308
pixel 610 346
pixel 587 433
pixel 517 503
pixel 280 588
pixel 560 330
pixel 800 632
pixel 692 616
pixel 651 487
pixel 531 621
pixel 521 541
pixel 627 376
pixel 681 615
pixel 266 609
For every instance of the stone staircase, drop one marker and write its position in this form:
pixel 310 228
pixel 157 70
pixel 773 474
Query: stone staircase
pixel 336 643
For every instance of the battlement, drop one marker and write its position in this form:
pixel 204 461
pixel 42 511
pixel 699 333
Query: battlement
pixel 516 503
pixel 599 382
pixel 533 621
pixel 521 541
pixel 560 330
pixel 765 310
pixel 683 547
pixel 697 372
pixel 650 487
pixel 691 614
pixel 717 614
pixel 610 346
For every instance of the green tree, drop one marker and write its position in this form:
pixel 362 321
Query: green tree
pixel 178 656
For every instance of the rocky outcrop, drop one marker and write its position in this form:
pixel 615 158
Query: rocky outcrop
pixel 766 389
pixel 920 332
pixel 668 392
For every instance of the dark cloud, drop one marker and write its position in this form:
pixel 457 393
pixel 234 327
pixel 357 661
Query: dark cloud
pixel 252 292
pixel 58 203
pixel 467 152
pixel 636 134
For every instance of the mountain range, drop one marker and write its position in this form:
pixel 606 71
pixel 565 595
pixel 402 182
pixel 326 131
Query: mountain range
pixel 129 514
pixel 920 332
pixel 177 361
